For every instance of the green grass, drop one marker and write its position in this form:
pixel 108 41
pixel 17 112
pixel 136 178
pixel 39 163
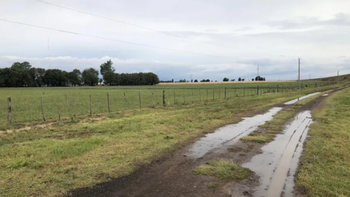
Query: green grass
pixel 224 170
pixel 65 102
pixel 268 131
pixel 324 169
pixel 49 161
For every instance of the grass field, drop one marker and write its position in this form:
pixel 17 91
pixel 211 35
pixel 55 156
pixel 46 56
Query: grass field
pixel 49 161
pixel 67 102
pixel 325 169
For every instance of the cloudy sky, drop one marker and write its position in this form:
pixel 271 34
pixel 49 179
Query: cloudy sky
pixel 179 38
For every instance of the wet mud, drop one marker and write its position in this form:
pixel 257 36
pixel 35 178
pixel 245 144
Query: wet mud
pixel 274 163
pixel 229 134
pixel 278 162
pixel 301 98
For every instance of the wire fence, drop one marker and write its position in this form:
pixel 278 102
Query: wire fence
pixel 80 103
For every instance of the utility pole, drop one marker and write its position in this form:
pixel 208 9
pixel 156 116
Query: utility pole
pixel 299 73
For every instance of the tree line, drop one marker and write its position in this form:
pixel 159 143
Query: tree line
pixel 24 75
pixel 112 78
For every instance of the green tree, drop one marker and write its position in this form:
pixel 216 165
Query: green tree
pixel 226 79
pixel 90 76
pixel 107 71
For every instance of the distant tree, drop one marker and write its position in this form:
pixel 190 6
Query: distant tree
pixel 75 77
pixel 195 80
pixel 242 79
pixel 233 79
pixel 226 79
pixel 252 79
pixel 208 80
pixel 107 71
pixel 172 80
pixel 239 79
pixel 90 76
pixel 56 77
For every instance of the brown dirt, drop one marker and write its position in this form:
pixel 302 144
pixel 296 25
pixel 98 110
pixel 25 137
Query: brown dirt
pixel 174 174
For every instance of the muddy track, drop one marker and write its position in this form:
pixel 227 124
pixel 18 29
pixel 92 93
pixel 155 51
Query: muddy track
pixel 174 175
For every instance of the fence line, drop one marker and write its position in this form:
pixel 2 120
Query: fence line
pixel 151 101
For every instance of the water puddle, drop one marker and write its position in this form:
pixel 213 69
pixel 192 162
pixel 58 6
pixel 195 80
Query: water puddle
pixel 301 98
pixel 277 164
pixel 230 133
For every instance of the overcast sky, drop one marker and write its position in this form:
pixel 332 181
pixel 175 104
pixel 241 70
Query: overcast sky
pixel 206 38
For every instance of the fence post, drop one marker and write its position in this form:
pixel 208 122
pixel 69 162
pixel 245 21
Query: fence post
pixel 74 106
pixel 9 111
pixel 184 96
pixel 225 92
pixel 125 100
pixel 243 91
pixel 207 95
pixel 174 98
pixel 42 109
pixel 109 110
pixel 213 94
pixel 153 100
pixel 90 105
pixel 66 100
pixel 219 93
pixel 257 90
pixel 200 96
pixel 140 99
pixel 163 98
pixel 192 96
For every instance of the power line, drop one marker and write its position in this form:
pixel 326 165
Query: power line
pixel 110 39
pixel 127 23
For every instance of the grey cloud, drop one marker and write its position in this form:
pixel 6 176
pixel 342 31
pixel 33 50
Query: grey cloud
pixel 340 19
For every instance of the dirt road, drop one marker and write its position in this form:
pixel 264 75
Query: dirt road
pixel 274 163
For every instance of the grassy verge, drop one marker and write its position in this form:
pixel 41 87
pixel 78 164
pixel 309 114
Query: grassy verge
pixel 324 169
pixel 223 170
pixel 268 131
pixel 53 160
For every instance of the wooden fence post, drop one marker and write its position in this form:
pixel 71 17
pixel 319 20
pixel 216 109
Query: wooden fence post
pixel 213 94
pixel 257 90
pixel 225 92
pixel 163 98
pixel 42 108
pixel 90 106
pixel 184 96
pixel 125 101
pixel 207 95
pixel 9 111
pixel 200 96
pixel 140 99
pixel 153 100
pixel 74 106
pixel 192 97
pixel 109 109
pixel 174 98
